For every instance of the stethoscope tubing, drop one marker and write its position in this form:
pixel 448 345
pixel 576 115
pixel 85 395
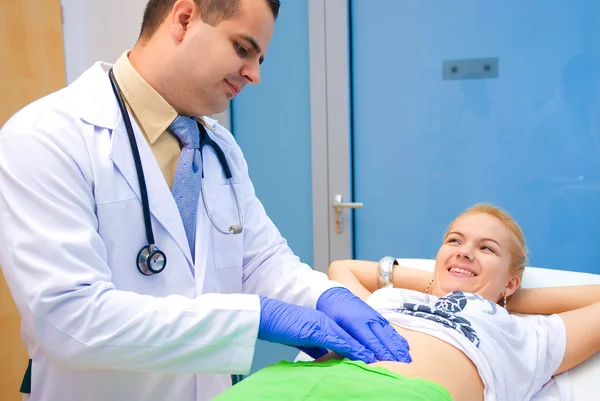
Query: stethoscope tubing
pixel 137 159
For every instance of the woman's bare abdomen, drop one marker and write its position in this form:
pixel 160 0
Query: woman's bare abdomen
pixel 440 362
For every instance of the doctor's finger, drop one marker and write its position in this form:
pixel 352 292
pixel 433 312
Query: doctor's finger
pixel 393 342
pixel 363 333
pixel 350 349
pixel 344 345
pixel 390 338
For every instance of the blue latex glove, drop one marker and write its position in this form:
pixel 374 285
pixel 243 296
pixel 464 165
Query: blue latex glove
pixel 365 324
pixel 307 329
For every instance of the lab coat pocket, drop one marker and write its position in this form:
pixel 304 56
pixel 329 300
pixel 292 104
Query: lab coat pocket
pixel 228 248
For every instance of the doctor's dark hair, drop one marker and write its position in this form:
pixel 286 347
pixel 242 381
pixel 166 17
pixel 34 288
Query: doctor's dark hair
pixel 212 11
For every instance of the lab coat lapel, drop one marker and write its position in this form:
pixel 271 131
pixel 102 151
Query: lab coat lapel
pixel 162 204
pixel 97 105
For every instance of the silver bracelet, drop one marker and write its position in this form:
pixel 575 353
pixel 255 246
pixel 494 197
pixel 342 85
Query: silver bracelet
pixel 384 272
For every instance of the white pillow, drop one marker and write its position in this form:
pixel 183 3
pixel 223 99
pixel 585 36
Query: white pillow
pixel 584 378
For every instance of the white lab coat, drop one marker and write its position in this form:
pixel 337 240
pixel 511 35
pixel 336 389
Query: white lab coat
pixel 71 225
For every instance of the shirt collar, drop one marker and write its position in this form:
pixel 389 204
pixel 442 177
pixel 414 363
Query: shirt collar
pixel 151 111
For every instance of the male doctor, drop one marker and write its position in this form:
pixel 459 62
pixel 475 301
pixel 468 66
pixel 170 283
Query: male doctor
pixel 95 325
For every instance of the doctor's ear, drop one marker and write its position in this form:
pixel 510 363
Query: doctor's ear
pixel 183 12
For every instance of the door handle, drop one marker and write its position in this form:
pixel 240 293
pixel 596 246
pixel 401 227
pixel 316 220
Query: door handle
pixel 339 205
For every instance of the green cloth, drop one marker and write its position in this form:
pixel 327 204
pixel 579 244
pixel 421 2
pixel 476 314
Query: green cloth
pixel 332 380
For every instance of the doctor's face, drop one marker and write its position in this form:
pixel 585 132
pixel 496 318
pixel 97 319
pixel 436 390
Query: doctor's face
pixel 213 63
pixel 476 257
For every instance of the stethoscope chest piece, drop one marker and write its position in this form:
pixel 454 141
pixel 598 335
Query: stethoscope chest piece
pixel 151 260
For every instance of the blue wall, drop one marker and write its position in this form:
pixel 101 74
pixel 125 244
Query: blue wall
pixel 528 141
pixel 424 148
pixel 271 122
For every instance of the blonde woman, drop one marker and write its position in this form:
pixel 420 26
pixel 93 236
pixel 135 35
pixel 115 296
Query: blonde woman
pixel 464 344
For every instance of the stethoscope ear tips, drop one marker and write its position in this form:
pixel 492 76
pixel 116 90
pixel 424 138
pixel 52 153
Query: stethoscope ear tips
pixel 235 229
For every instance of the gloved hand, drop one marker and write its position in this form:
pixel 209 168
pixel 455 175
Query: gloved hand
pixel 364 324
pixel 308 330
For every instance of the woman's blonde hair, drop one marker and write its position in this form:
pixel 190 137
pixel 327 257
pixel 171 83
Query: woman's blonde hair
pixel 517 239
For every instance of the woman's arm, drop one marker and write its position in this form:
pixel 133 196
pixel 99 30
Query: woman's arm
pixel 583 335
pixel 361 276
pixel 549 300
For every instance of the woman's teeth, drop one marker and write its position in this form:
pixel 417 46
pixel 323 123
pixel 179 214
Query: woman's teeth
pixel 462 271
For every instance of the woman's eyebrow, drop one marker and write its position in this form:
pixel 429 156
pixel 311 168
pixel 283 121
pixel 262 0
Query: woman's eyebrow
pixel 483 239
pixel 492 240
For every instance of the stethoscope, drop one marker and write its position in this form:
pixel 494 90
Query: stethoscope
pixel 151 260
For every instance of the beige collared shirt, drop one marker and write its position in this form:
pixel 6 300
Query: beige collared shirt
pixel 153 115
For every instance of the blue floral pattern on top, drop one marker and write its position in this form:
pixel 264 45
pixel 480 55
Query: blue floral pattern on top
pixel 444 312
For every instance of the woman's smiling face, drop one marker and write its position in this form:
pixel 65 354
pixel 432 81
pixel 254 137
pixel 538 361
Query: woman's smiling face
pixel 476 257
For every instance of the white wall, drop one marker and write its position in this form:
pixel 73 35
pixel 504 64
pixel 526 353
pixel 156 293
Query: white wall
pixel 97 30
